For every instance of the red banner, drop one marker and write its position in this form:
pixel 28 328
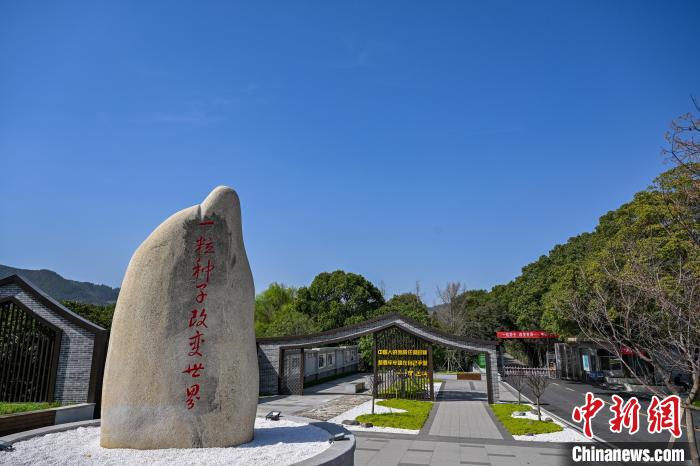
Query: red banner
pixel 526 334
pixel 627 351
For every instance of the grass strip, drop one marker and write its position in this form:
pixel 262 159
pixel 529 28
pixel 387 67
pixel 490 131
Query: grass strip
pixel 415 416
pixel 520 425
pixel 11 408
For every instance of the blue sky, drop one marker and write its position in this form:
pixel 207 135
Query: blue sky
pixel 405 141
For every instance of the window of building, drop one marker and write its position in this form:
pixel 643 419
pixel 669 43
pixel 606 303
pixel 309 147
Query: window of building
pixel 329 359
pixel 321 361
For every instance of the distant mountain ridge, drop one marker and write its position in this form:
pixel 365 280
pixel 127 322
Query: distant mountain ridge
pixel 63 289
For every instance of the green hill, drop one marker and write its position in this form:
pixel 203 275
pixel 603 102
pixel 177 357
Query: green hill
pixel 63 289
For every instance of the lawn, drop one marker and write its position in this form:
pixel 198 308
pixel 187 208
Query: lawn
pixel 10 408
pixel 522 426
pixel 415 416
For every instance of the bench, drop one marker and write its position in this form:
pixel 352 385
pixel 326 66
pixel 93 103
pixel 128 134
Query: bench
pixel 353 387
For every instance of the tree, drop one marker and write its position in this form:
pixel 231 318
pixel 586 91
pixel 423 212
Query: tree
pixel 338 298
pixel 406 304
pixel 682 190
pixel 100 315
pixel 482 315
pixel 373 384
pixel 643 289
pixel 516 379
pixel 538 382
pixel 452 318
pixel 452 313
pixel 268 303
pixel 287 321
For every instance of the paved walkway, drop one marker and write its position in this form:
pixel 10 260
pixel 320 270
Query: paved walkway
pixel 461 430
pixel 314 397
pixel 374 451
pixel 458 417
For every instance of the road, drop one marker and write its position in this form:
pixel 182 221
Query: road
pixel 562 396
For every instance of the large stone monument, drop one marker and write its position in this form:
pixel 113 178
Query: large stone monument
pixel 182 367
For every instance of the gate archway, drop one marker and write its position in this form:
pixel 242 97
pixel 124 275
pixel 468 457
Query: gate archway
pixel 271 350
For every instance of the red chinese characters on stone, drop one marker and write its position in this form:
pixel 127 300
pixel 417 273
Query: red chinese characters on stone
pixel 204 246
pixel 197 318
pixel 193 369
pixel 587 412
pixel 624 415
pixel 665 415
pixel 192 394
pixel 198 270
pixel 201 294
pixel 196 341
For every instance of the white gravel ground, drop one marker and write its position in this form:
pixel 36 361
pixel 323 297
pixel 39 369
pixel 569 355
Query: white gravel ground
pixel 276 443
pixel 566 435
pixel 366 408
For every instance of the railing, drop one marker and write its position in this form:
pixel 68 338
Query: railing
pixel 29 349
pixel 525 371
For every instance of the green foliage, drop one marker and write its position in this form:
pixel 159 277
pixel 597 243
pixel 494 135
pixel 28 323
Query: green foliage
pixel 540 297
pixel 522 426
pixel 100 315
pixel 416 414
pixel 11 408
pixel 287 321
pixel 275 299
pixel 365 347
pixel 338 298
pixel 406 304
pixel 483 314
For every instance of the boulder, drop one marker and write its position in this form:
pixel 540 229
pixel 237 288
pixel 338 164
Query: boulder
pixel 182 368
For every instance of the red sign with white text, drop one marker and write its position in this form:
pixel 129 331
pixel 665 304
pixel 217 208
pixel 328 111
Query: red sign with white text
pixel 526 334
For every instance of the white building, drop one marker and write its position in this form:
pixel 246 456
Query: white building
pixel 329 361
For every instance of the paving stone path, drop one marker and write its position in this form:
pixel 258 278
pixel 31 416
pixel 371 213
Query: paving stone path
pixel 461 430
pixel 335 407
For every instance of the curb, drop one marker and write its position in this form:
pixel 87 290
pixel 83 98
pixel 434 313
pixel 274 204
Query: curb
pixel 28 434
pixel 554 416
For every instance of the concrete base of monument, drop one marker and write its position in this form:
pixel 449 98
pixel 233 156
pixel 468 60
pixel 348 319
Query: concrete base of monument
pixel 291 440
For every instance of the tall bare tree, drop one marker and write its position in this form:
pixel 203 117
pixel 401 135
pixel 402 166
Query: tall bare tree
pixel 452 305
pixel 452 317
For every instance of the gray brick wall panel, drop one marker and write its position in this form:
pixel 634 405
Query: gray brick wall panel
pixel 75 358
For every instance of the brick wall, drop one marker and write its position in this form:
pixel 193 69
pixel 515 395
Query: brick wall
pixel 268 364
pixel 75 358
